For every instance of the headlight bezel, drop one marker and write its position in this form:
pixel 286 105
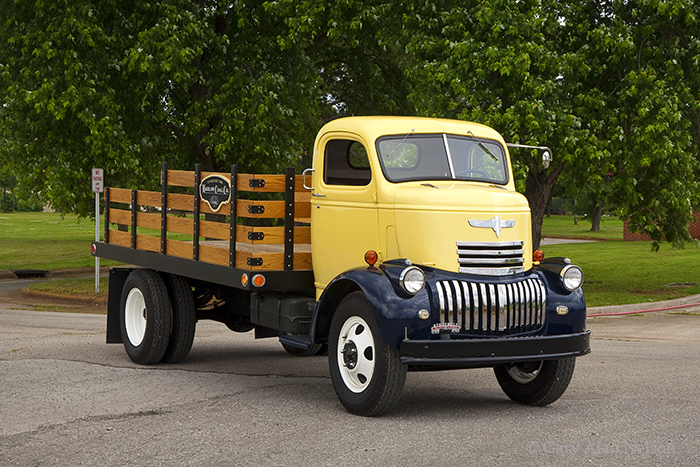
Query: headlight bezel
pixel 407 280
pixel 568 274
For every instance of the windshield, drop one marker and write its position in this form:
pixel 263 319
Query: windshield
pixel 442 157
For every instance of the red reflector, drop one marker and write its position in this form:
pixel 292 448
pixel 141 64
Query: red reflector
pixel 93 249
pixel 371 257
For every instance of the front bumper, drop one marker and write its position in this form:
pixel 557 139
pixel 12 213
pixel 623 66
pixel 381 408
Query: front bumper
pixel 488 352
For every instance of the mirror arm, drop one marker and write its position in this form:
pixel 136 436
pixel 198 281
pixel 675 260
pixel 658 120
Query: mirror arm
pixel 546 155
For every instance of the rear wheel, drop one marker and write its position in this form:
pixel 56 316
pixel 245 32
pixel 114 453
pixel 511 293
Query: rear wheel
pixel 536 383
pixel 367 373
pixel 184 318
pixel 145 316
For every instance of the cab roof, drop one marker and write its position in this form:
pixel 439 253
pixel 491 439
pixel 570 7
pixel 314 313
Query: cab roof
pixel 375 127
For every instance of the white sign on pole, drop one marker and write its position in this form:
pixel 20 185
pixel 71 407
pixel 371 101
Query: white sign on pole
pixel 98 185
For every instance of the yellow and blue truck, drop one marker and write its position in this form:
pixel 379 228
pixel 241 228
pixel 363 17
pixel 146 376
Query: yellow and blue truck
pixel 404 247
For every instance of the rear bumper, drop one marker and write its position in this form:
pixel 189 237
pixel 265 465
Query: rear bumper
pixel 474 353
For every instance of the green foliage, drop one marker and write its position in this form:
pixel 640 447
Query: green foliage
pixel 611 86
pixel 124 85
pixel 637 99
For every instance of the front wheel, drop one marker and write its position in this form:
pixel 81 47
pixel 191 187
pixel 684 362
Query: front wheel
pixel 536 383
pixel 367 373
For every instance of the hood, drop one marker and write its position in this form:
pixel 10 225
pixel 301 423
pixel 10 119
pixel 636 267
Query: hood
pixel 460 197
pixel 437 225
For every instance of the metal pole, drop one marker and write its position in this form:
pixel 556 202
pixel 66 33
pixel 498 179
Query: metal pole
pixel 97 239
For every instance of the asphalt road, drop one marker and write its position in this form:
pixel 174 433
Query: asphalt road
pixel 67 398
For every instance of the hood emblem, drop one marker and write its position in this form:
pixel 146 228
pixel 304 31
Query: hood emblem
pixel 495 223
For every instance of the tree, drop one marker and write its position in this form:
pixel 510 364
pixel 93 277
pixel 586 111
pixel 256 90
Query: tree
pixel 7 182
pixel 125 84
pixel 608 85
pixel 636 96
pixel 497 63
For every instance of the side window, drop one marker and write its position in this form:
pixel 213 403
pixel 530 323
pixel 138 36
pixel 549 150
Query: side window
pixel 346 163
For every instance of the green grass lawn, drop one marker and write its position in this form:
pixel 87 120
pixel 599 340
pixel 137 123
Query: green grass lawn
pixel 37 240
pixel 563 226
pixel 79 286
pixel 617 272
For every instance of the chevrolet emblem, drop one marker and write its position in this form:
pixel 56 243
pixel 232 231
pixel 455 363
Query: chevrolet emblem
pixel 495 223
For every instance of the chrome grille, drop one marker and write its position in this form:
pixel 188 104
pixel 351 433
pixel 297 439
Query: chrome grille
pixel 491 258
pixel 493 309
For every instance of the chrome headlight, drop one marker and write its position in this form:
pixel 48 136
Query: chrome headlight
pixel 412 280
pixel 571 277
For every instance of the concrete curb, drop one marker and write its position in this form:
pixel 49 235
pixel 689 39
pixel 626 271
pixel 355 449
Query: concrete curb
pixel 7 275
pixel 64 299
pixel 683 301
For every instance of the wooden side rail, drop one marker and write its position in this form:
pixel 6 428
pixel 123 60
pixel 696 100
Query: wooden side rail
pixel 230 242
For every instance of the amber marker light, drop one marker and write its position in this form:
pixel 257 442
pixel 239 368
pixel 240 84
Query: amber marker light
pixel 244 280
pixel 371 257
pixel 258 280
pixel 538 256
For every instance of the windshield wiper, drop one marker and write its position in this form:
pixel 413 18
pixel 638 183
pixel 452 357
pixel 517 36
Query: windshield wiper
pixel 400 143
pixel 481 145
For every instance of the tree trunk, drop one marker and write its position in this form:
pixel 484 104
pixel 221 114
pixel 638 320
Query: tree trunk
pixel 595 219
pixel 538 191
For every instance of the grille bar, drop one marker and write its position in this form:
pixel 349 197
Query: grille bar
pixel 493 309
pixel 491 258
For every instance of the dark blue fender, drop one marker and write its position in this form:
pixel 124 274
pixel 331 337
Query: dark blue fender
pixel 557 295
pixel 395 311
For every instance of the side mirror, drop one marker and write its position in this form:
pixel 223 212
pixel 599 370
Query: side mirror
pixel 546 155
pixel 546 159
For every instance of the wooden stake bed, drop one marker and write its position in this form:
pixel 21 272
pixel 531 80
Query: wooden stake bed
pixel 192 227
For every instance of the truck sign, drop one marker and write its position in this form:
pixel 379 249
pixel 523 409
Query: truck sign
pixel 216 191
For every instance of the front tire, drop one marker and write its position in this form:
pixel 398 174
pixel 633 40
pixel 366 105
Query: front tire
pixel 145 316
pixel 536 383
pixel 367 373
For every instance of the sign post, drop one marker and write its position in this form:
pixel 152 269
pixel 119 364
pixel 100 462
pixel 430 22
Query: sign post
pixel 97 188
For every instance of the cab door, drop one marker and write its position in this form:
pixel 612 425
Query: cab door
pixel 343 206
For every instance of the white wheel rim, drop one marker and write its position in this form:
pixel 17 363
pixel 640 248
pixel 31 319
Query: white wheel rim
pixel 524 377
pixel 355 331
pixel 135 316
